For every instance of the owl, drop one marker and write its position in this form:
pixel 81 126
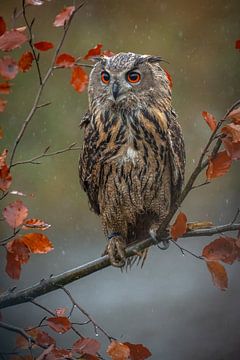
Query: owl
pixel 133 158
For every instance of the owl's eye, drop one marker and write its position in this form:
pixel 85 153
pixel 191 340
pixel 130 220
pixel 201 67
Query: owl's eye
pixel 133 77
pixel 105 77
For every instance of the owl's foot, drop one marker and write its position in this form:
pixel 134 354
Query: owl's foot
pixel 162 244
pixel 115 249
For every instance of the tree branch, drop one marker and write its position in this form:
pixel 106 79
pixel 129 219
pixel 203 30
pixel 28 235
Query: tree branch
pixel 58 281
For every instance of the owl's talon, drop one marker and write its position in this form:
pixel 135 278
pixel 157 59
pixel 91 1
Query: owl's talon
pixel 115 249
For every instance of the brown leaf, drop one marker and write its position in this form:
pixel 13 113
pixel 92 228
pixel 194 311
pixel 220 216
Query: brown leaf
pixel 15 213
pixel 60 324
pixel 210 120
pixel 64 16
pixel 41 337
pixel 37 243
pixel 3 157
pixel 19 250
pixel 8 68
pixel 1 133
pixel 219 165
pixel 96 51
pixel 5 88
pixel 237 44
pixel 224 249
pixel 179 227
pixel 79 79
pixel 43 45
pixel 86 346
pixel 2 26
pixel 35 224
pixel 235 115
pixel 3 104
pixel 233 131
pixel 43 355
pixel 58 354
pixel 199 225
pixel 219 275
pixel 232 148
pixel 138 351
pixel 118 351
pixel 108 53
pixel 25 62
pixel 34 2
pixel 169 77
pixel 60 311
pixel 12 39
pixel 65 60
pixel 13 267
pixel 5 177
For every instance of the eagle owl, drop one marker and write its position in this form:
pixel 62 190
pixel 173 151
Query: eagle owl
pixel 133 158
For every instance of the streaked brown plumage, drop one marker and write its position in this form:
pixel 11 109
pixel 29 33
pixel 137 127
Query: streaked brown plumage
pixel 133 158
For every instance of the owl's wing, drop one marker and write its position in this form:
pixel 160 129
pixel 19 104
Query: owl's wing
pixel 89 169
pixel 177 156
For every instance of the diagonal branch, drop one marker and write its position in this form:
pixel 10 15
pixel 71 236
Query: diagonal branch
pixel 57 281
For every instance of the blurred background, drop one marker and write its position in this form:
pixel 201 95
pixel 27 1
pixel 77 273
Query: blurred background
pixel 170 305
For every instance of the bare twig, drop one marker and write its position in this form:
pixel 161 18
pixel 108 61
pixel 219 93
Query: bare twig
pixel 54 282
pixel 20 331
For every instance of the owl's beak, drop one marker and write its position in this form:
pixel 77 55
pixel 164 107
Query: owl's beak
pixel 115 90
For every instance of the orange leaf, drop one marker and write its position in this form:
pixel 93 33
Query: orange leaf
pixel 65 60
pixel 58 354
pixel 224 249
pixel 64 16
pixel 232 148
pixel 60 324
pixel 35 224
pixel 8 68
pixel 235 116
pixel 5 177
pixel 210 120
pixel 25 61
pixel 96 51
pixel 86 346
pixel 5 88
pixel 237 44
pixel 19 250
pixel 169 77
pixel 219 165
pixel 41 338
pixel 219 275
pixel 2 26
pixel 12 39
pixel 3 157
pixel 3 104
pixel 37 243
pixel 15 213
pixel 13 267
pixel 60 311
pixel 232 131
pixel 108 53
pixel 179 227
pixel 43 45
pixel 118 351
pixel 138 351
pixel 79 79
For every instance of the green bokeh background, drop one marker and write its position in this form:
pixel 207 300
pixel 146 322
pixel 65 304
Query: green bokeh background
pixel 170 305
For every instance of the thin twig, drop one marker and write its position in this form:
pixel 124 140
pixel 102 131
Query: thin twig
pixel 20 331
pixel 184 250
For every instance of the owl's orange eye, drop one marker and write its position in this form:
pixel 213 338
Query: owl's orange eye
pixel 105 77
pixel 133 77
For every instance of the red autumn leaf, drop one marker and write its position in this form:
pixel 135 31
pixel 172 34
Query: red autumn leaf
pixel 8 68
pixel 60 311
pixel 237 44
pixel 34 2
pixel 179 227
pixel 210 120
pixel 12 39
pixel 90 357
pixel 224 249
pixel 13 267
pixel 5 88
pixel 15 213
pixel 2 26
pixel 86 346
pixel 233 149
pixel 60 324
pixel 65 60
pixel 41 338
pixel 5 177
pixel 3 157
pixel 232 131
pixel 96 51
pixel 43 355
pixel 118 351
pixel 138 351
pixel 35 224
pixel 64 16
pixel 58 354
pixel 19 250
pixel 169 78
pixel 37 243
pixel 43 45
pixel 3 104
pixel 108 53
pixel 219 165
pixel 235 116
pixel 1 133
pixel 219 275
pixel 79 79
pixel 25 61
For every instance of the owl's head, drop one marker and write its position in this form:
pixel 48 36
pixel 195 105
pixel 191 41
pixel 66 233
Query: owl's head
pixel 128 80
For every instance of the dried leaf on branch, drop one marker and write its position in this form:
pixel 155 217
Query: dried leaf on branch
pixel 63 17
pixel 179 227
